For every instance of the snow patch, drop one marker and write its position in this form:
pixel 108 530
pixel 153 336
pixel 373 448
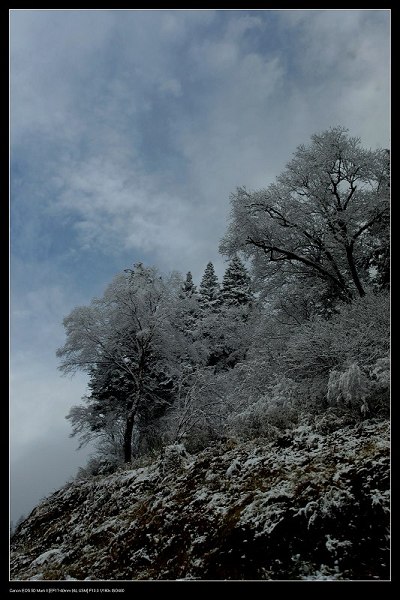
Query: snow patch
pixel 55 554
pixel 234 468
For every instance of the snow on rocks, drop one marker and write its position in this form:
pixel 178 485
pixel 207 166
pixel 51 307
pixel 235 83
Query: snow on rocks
pixel 234 468
pixel 307 506
pixel 56 555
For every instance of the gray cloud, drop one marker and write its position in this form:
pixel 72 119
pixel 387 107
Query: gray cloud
pixel 44 467
pixel 42 456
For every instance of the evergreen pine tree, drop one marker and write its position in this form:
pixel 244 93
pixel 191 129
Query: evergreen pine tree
pixel 188 288
pixel 236 286
pixel 187 310
pixel 209 288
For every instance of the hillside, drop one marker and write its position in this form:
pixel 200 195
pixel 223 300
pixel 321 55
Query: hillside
pixel 308 506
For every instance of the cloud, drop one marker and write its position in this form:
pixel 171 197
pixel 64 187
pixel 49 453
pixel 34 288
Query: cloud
pixel 171 86
pixel 118 209
pixel 42 456
pixel 40 400
pixel 340 70
pixel 51 54
pixel 137 126
pixel 44 466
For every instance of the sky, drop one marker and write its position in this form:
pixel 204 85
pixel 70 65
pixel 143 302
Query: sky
pixel 129 129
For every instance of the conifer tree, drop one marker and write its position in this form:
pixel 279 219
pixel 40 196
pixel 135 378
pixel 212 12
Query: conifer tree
pixel 236 285
pixel 188 288
pixel 209 288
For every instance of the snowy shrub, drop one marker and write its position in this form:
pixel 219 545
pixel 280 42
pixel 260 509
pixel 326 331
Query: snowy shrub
pixel 269 415
pixel 199 411
pixel 144 460
pixel 96 466
pixel 350 387
pixel 331 419
pixel 379 398
pixel 173 458
pixel 380 372
pixel 320 354
pixel 355 390
pixel 252 423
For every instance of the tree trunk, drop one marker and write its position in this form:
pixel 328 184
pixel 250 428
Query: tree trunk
pixel 128 436
pixel 129 423
pixel 132 410
pixel 353 270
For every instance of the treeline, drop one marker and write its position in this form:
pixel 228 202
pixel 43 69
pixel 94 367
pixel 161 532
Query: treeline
pixel 302 335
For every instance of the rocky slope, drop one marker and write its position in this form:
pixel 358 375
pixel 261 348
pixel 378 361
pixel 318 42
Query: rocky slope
pixel 308 506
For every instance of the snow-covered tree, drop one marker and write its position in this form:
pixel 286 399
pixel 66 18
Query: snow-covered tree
pixel 101 415
pixel 314 222
pixel 188 310
pixel 209 288
pixel 236 285
pixel 225 336
pixel 188 287
pixel 128 342
pixel 200 410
